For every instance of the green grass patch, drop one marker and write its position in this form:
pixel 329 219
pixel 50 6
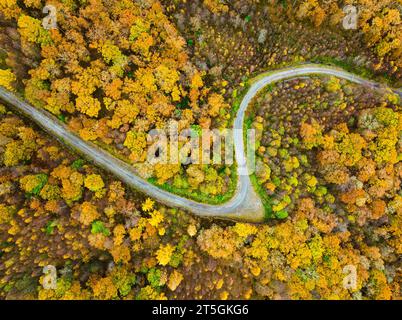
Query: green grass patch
pixel 266 199
pixel 78 164
pixel 99 227
pixel 50 227
pixel 198 196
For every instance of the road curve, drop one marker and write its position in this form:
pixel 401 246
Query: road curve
pixel 245 205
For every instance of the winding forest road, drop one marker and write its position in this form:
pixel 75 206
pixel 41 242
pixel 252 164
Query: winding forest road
pixel 245 205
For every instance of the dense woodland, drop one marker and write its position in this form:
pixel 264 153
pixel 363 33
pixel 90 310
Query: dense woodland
pixel 328 151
